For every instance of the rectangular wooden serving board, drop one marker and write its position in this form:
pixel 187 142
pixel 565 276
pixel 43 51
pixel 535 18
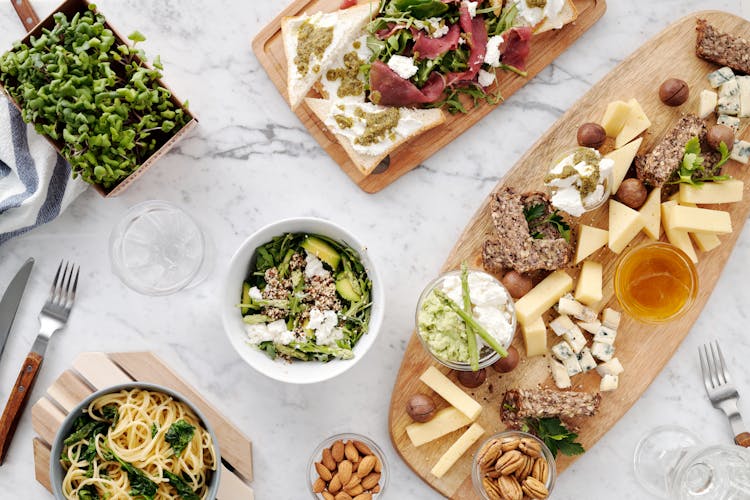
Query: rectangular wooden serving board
pixel 642 349
pixel 268 47
pixel 92 371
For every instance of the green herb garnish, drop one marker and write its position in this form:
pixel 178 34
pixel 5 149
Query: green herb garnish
pixel 179 436
pixel 181 486
pixel 471 338
pixel 555 435
pixel 692 169
pixel 534 215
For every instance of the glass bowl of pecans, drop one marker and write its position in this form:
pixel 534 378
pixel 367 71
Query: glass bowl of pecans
pixel 513 464
pixel 347 463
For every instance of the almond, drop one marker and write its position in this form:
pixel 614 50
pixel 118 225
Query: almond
pixel 371 480
pixel 378 466
pixel 335 485
pixel 362 448
pixel 319 485
pixel 328 460
pixel 342 496
pixel 376 489
pixel 323 472
pixel 364 496
pixel 357 490
pixel 345 471
pixel 351 452
pixel 337 451
pixel 354 481
pixel 366 466
pixel 327 495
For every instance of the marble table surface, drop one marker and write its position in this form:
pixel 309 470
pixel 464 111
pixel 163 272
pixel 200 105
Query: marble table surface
pixel 250 163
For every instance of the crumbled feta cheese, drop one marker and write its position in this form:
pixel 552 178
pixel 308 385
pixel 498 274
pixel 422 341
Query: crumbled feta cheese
pixel 258 333
pixel 534 15
pixel 492 55
pixel 486 78
pixel 472 6
pixel 323 323
pixel 255 293
pixel 434 26
pixel 403 66
pixel 314 267
pixel 566 195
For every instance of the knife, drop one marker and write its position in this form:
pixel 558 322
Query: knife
pixel 11 299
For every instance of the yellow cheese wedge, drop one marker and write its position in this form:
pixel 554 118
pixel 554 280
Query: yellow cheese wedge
pixel 704 241
pixel 712 192
pixel 616 114
pixel 444 422
pixel 543 296
pixel 701 220
pixel 457 449
pixel 450 392
pixel 651 214
pixel 635 125
pixel 589 286
pixel 623 158
pixel 590 239
pixel 624 225
pixel 535 337
pixel 678 238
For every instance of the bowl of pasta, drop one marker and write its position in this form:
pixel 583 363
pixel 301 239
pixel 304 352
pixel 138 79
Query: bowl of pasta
pixel 135 440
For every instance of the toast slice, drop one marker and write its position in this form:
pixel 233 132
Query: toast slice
pixel 567 15
pixel 324 36
pixel 411 123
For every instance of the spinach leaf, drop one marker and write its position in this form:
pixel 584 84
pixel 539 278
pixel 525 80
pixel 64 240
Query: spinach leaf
pixel 421 9
pixel 88 492
pixel 154 429
pixel 141 487
pixel 179 436
pixel 86 431
pixel 181 486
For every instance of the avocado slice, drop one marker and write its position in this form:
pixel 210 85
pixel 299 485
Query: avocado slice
pixel 347 288
pixel 322 250
pixel 245 297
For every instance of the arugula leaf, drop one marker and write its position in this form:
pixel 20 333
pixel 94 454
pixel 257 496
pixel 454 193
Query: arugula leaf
pixel 181 486
pixel 555 435
pixel 421 9
pixel 179 436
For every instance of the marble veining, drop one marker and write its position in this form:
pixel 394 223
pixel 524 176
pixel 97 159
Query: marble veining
pixel 250 162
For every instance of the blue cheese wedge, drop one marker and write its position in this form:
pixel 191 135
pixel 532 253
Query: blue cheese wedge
pixel 720 76
pixel 611 318
pixel 563 351
pixel 708 101
pixel 571 307
pixel 586 360
pixel 609 383
pixel 603 351
pixel 605 335
pixel 562 325
pixel 744 83
pixel 559 374
pixel 729 121
pixel 592 327
pixel 572 366
pixel 729 98
pixel 611 367
pixel 576 339
pixel 741 151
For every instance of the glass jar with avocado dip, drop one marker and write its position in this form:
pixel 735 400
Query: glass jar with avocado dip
pixel 444 333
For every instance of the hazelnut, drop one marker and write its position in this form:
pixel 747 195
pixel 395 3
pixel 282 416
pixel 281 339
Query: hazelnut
pixel 632 193
pixel 472 379
pixel 591 135
pixel 517 284
pixel 718 134
pixel 508 363
pixel 420 408
pixel 674 92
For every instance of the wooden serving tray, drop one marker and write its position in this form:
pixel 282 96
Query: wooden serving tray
pixel 643 349
pixel 96 370
pixel 269 48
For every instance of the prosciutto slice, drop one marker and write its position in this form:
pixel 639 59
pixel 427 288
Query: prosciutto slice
pixel 395 91
pixel 430 48
pixel 477 39
pixel 392 29
pixel 515 47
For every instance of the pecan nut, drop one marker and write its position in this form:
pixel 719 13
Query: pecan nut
pixel 510 462
pixel 533 488
pixel 490 453
pixel 509 488
pixel 540 471
pixel 530 447
pixel 492 489
pixel 509 443
pixel 523 472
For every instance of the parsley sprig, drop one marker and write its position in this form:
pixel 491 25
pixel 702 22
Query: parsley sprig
pixel 692 169
pixel 535 217
pixel 555 435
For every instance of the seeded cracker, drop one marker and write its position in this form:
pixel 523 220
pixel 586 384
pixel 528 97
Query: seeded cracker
pixel 722 48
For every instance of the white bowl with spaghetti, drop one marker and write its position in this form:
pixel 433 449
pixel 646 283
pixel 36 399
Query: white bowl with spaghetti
pixel 134 449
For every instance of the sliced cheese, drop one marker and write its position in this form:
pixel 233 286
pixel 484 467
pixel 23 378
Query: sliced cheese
pixel 651 214
pixel 559 374
pixel 589 286
pixel 700 220
pixel 457 449
pixel 635 125
pixel 623 158
pixel 615 116
pixel 590 239
pixel 624 225
pixel 708 101
pixel 543 296
pixel 744 83
pixel 611 318
pixel 535 337
pixel 611 367
pixel 450 392
pixel 704 241
pixel 729 191
pixel 729 98
pixel 677 237
pixel 444 422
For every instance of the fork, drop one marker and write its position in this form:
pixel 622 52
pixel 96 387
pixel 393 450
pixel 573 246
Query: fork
pixel 53 317
pixel 721 390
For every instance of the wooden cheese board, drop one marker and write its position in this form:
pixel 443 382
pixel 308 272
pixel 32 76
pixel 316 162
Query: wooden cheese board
pixel 96 370
pixel 269 50
pixel 638 76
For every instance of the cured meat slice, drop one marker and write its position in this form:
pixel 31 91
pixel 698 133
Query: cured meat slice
pixel 392 90
pixel 476 37
pixel 430 48
pixel 516 46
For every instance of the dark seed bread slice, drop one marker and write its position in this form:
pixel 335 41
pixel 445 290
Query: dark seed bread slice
pixel 520 404
pixel 658 166
pixel 722 48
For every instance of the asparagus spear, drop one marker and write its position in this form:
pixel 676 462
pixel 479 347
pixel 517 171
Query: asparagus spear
pixel 471 338
pixel 470 321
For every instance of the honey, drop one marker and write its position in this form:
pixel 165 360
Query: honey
pixel 655 282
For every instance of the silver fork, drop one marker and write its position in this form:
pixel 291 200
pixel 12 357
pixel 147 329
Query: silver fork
pixel 54 316
pixel 721 390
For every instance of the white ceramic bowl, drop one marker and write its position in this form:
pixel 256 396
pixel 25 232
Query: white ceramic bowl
pixel 296 372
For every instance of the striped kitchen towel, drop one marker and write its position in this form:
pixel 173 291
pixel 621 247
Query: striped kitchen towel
pixel 35 182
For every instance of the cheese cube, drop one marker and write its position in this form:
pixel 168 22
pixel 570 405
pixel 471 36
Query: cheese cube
pixel 562 325
pixel 609 383
pixel 624 225
pixel 677 237
pixel 568 305
pixel 700 220
pixel 615 116
pixel 730 121
pixel 721 75
pixel 590 239
pixel 605 335
pixel 636 123
pixel 708 101
pixel 611 367
pixel 586 360
pixel 623 158
pixel 543 296
pixel 572 366
pixel 457 449
pixel 729 98
pixel 576 339
pixel 563 351
pixel 603 351
pixel 651 214
pixel 450 392
pixel 741 151
pixel 535 337
pixel 611 318
pixel 704 241
pixel 591 327
pixel 444 422
pixel 559 374
pixel 729 191
pixel 589 287
pixel 744 82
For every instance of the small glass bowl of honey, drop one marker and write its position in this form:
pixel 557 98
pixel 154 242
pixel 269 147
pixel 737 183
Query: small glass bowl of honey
pixel 656 282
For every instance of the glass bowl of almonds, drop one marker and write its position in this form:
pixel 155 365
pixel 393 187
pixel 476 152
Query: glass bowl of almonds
pixel 513 465
pixel 347 466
